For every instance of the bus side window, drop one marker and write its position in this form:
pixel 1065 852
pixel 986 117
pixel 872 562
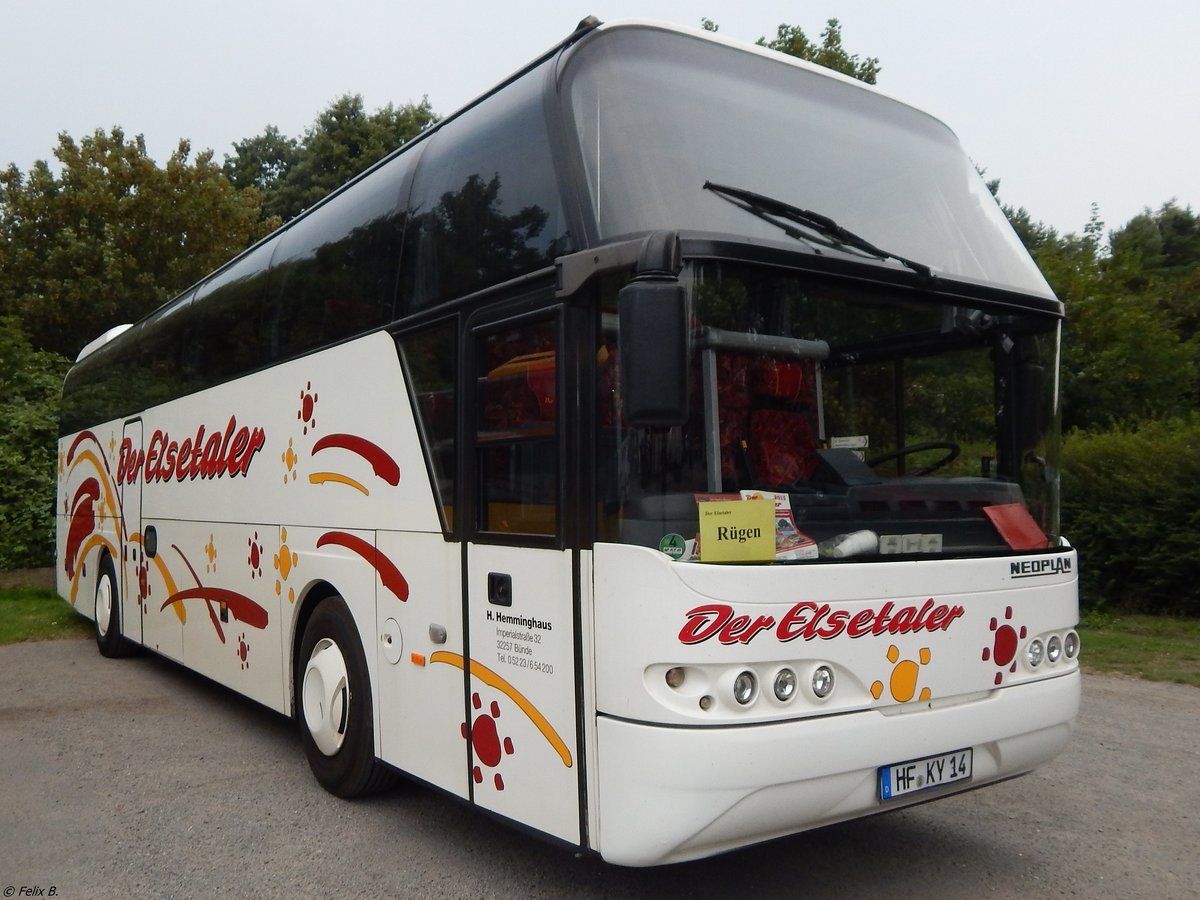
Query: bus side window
pixel 333 275
pixel 222 323
pixel 485 204
pixel 429 360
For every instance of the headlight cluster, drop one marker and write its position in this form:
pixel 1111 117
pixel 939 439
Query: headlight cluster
pixel 741 688
pixel 1052 649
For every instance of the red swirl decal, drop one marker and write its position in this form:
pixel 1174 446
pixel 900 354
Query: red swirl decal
pixel 242 607
pixel 83 520
pixel 388 573
pixel 79 439
pixel 383 464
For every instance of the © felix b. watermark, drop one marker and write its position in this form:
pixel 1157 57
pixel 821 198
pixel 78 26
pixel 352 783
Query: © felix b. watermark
pixel 30 890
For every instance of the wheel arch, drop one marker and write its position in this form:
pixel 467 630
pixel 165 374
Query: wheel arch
pixel 354 768
pixel 310 599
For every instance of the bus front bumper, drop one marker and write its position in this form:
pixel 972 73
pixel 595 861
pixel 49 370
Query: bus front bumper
pixel 669 794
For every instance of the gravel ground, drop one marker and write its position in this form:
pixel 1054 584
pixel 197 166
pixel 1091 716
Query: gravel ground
pixel 135 778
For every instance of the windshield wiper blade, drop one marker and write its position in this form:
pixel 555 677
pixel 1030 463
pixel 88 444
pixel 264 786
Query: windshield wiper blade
pixel 767 208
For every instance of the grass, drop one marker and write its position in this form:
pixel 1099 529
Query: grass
pixel 35 614
pixel 1157 648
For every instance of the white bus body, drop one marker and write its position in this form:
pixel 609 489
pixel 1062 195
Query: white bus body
pixel 397 533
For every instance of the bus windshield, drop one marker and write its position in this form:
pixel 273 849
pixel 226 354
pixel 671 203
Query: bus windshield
pixel 656 116
pixel 908 423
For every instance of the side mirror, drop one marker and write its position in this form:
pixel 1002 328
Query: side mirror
pixel 653 334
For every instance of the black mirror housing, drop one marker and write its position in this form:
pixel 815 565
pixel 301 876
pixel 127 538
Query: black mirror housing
pixel 654 337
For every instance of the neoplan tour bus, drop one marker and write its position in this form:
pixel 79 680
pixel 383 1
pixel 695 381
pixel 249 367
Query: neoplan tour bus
pixel 660 453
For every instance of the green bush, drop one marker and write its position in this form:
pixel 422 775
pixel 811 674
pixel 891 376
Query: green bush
pixel 1131 505
pixel 30 388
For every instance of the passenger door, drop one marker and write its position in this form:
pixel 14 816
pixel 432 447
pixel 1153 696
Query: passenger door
pixel 133 586
pixel 147 576
pixel 519 579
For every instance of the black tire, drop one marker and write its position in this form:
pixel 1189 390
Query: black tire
pixel 333 705
pixel 106 613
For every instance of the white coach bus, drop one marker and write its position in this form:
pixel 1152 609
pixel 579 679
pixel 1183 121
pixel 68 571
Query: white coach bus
pixel 660 453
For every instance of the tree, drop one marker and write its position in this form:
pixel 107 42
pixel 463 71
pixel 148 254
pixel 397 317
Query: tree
pixel 262 161
pixel 30 384
pixel 1165 242
pixel 112 235
pixel 1033 234
pixel 1128 354
pixel 792 40
pixel 1158 253
pixel 344 141
pixel 1123 359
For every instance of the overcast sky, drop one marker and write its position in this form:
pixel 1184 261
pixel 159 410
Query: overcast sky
pixel 1068 102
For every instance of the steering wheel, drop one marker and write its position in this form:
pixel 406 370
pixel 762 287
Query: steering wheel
pixel 952 450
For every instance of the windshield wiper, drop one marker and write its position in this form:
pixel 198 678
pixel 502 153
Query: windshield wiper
pixel 771 210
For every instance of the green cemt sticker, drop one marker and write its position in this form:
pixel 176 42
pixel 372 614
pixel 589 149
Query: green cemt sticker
pixel 673 545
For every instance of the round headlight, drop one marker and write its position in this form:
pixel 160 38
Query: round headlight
pixel 1071 645
pixel 675 676
pixel 1034 653
pixel 744 687
pixel 822 682
pixel 1054 648
pixel 785 685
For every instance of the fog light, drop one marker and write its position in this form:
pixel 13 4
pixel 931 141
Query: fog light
pixel 1054 649
pixel 744 687
pixel 675 676
pixel 822 682
pixel 706 702
pixel 1071 645
pixel 1034 653
pixel 785 685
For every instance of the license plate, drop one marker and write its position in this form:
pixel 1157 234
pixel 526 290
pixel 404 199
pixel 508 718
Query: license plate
pixel 925 773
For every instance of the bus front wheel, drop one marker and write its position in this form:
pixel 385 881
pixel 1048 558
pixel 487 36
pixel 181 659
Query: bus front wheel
pixel 107 612
pixel 333 704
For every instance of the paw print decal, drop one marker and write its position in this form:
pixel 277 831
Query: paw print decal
pixel 905 673
pixel 254 557
pixel 243 650
pixel 285 561
pixel 289 459
pixel 1003 649
pixel 308 407
pixel 210 554
pixel 484 736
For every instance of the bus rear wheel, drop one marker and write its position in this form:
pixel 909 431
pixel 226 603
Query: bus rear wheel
pixel 333 704
pixel 107 613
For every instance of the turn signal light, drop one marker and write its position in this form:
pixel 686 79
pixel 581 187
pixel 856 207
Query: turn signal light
pixel 1035 653
pixel 1071 644
pixel 822 682
pixel 745 686
pixel 785 685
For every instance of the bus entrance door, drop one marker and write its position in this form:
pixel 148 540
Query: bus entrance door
pixel 133 559
pixel 520 693
pixel 524 758
pixel 144 615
